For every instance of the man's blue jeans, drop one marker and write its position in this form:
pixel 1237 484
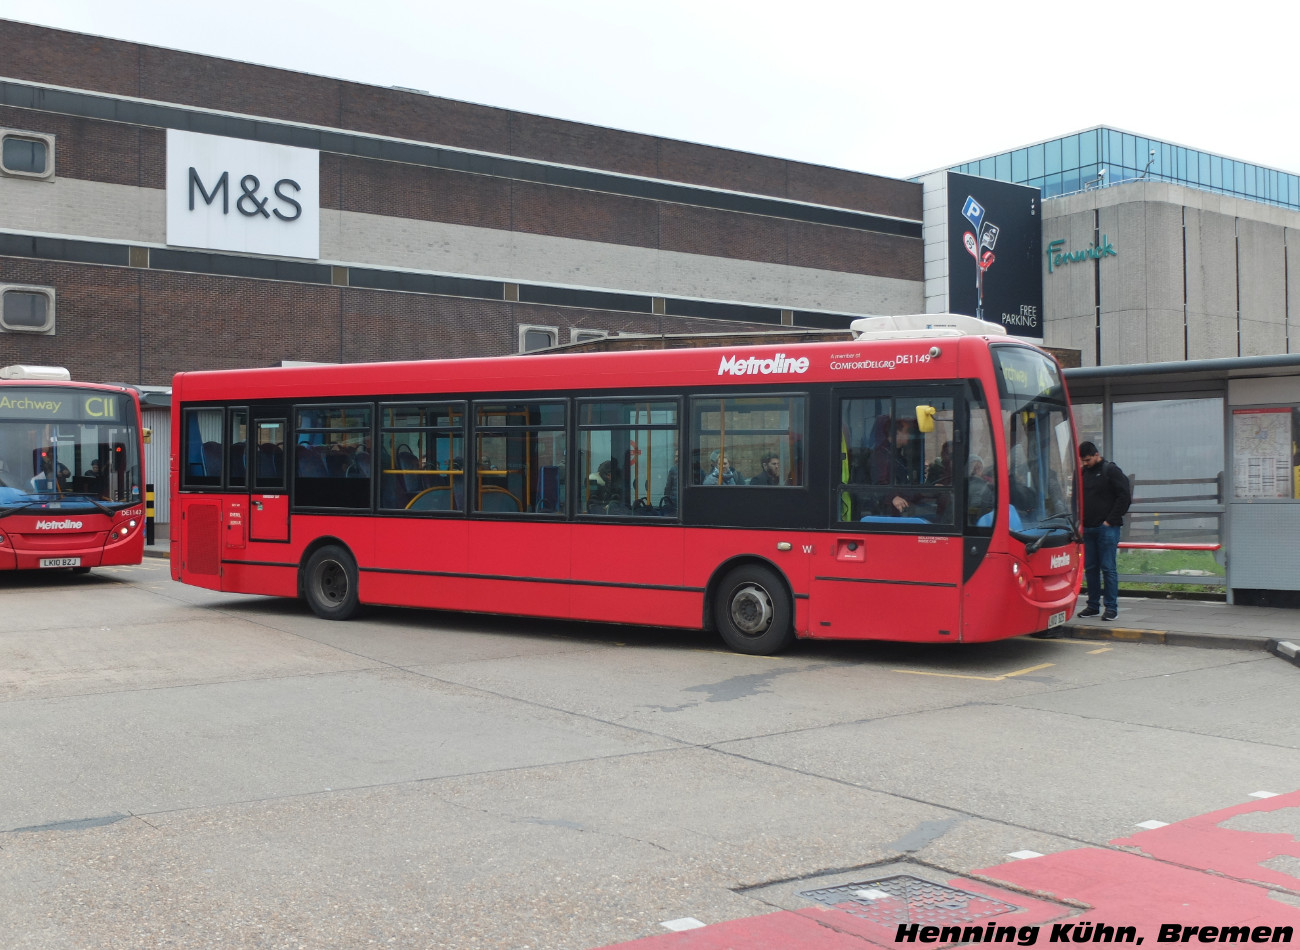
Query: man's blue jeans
pixel 1100 548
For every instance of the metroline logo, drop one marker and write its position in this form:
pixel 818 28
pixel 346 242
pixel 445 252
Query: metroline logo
pixel 57 525
pixel 1061 560
pixel 755 366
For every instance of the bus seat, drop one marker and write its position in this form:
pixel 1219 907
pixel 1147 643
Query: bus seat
pixel 407 461
pixel 492 498
pixel 336 462
pixel 360 465
pixel 270 461
pixel 310 464
pixel 437 498
pixel 548 488
pixel 212 458
pixel 238 463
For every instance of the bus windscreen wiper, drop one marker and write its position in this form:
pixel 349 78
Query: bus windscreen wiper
pixel 83 495
pixel 6 512
pixel 1062 519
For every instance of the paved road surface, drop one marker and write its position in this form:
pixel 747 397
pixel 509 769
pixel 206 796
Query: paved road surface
pixel 191 769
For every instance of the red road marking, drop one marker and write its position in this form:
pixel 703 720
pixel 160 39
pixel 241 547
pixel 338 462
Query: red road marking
pixel 1193 873
pixel 1201 843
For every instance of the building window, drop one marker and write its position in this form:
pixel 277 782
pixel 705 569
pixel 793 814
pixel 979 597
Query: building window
pixel 26 309
pixel 585 336
pixel 537 338
pixel 26 155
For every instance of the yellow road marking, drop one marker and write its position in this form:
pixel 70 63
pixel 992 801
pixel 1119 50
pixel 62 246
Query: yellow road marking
pixel 987 679
pixel 1102 650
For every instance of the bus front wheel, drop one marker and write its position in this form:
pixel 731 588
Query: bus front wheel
pixel 753 612
pixel 330 583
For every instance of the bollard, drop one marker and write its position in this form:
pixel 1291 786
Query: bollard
pixel 148 514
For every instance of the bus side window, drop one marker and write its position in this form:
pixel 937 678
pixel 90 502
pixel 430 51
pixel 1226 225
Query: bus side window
pixel 890 472
pixel 202 448
pixel 629 458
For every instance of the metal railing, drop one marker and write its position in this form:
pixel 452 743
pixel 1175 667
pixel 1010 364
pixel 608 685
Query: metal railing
pixel 1185 529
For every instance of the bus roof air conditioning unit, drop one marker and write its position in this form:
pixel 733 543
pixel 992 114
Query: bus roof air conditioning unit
pixel 913 326
pixel 21 371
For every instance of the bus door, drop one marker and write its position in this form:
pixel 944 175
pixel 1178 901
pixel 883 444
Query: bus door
pixel 892 566
pixel 268 497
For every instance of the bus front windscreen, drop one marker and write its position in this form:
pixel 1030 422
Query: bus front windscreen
pixel 1040 444
pixel 68 448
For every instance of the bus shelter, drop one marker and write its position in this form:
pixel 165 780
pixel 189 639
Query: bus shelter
pixel 1211 449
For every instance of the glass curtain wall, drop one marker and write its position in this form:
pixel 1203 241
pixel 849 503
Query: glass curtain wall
pixel 1075 162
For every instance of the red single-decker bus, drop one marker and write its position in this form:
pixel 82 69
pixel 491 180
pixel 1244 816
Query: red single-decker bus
pixel 915 483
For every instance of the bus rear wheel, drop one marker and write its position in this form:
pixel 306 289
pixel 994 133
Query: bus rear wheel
pixel 753 612
pixel 329 583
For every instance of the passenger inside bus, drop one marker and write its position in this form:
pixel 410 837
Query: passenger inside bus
pixel 887 451
pixel 43 482
pixel 769 470
pixel 981 495
pixel 721 472
pixel 891 462
pixel 95 480
pixel 669 500
pixel 605 488
pixel 8 494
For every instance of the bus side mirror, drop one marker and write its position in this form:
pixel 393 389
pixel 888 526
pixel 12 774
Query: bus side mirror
pixel 925 418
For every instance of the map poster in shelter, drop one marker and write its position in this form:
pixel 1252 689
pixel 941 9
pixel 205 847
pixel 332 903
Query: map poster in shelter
pixel 1262 453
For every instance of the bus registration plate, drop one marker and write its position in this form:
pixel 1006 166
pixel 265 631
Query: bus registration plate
pixel 1056 619
pixel 60 562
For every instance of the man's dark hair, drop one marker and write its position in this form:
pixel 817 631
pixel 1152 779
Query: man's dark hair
pixel 1086 449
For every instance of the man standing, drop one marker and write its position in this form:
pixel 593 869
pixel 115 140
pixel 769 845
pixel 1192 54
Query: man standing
pixel 1106 498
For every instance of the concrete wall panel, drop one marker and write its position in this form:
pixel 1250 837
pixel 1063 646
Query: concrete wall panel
pixel 1123 276
pixel 1069 291
pixel 445 248
pixel 1074 333
pixel 69 207
pixel 1293 289
pixel 1261 261
pixel 1164 258
pixel 1211 337
pixel 1262 338
pixel 1211 285
pixel 1124 338
pixel 1166 336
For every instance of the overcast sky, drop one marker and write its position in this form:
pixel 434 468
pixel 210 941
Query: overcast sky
pixel 889 88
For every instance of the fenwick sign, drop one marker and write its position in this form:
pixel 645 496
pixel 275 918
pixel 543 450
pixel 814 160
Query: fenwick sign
pixel 1093 252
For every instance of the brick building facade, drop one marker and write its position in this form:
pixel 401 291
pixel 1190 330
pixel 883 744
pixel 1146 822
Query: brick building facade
pixel 446 228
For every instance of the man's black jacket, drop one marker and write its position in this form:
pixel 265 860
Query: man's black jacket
pixel 1106 495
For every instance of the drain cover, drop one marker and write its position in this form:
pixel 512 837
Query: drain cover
pixel 904 899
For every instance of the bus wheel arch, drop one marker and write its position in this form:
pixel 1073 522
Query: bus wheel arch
pixel 327 579
pixel 750 604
